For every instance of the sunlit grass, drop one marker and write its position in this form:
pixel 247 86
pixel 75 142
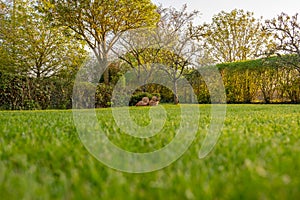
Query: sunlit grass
pixel 257 157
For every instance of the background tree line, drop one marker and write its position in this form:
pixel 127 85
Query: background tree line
pixel 44 43
pixel 263 80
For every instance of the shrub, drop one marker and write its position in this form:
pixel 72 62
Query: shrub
pixel 103 95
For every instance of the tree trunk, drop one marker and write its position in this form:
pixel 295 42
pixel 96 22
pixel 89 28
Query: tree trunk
pixel 176 100
pixel 106 70
pixel 103 65
pixel 106 76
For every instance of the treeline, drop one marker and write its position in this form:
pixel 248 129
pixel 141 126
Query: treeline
pixel 264 80
pixel 43 46
pixel 255 81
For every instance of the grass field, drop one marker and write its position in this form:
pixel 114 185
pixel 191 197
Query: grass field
pixel 256 157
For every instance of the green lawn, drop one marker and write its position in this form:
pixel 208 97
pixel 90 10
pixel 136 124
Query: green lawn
pixel 256 157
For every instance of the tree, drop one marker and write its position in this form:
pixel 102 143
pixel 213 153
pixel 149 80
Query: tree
pixel 36 58
pixel 101 22
pixel 138 50
pixel 34 47
pixel 232 36
pixel 285 30
pixel 181 50
pixel 169 44
pixel 5 59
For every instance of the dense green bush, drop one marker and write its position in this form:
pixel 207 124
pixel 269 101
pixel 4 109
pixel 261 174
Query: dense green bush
pixel 103 95
pixel 254 81
pixel 262 80
pixel 28 93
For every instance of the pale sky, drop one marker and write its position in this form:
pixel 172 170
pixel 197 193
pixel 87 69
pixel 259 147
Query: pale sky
pixel 266 8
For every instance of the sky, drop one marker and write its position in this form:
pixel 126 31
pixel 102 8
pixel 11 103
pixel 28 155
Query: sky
pixel 268 9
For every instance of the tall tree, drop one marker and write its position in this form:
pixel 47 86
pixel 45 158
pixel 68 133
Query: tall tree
pixel 169 44
pixel 232 36
pixel 139 50
pixel 37 60
pixel 179 50
pixel 101 22
pixel 285 30
pixel 32 47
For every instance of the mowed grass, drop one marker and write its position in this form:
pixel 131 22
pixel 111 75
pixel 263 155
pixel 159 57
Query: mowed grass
pixel 256 157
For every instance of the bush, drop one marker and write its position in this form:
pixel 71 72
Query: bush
pixel 103 95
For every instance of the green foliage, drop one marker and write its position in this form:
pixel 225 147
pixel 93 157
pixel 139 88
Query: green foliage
pixel 233 36
pixel 100 23
pixel 27 93
pixel 32 46
pixel 41 157
pixel 103 95
pixel 263 80
pixel 41 49
pixel 38 61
